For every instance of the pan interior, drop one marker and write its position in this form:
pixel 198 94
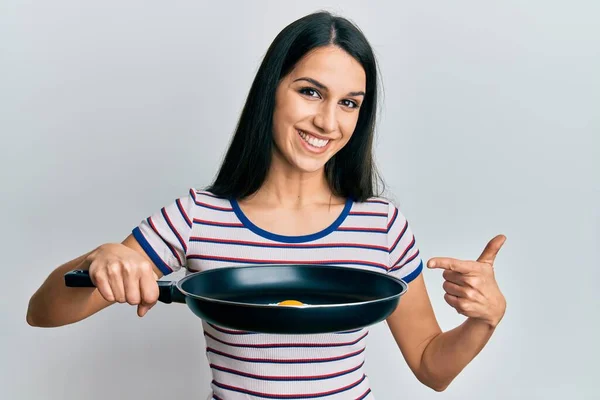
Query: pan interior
pixel 309 284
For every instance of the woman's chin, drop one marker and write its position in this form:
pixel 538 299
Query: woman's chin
pixel 308 165
pixel 302 163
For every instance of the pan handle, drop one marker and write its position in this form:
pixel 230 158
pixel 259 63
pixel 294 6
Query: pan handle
pixel 167 290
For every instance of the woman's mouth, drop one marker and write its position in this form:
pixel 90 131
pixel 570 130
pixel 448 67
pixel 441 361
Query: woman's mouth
pixel 312 143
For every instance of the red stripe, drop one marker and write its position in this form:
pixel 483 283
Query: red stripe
pixel 271 345
pixel 406 262
pixel 351 228
pixel 229 331
pixel 399 237
pixel 167 243
pixel 393 219
pixel 152 226
pixel 205 193
pixel 410 245
pixel 378 202
pixel 200 203
pixel 287 378
pixel 203 221
pixel 284 361
pixel 181 241
pixel 316 262
pixel 291 396
pixel 183 213
pixel 285 245
pixel 371 213
pixel 362 396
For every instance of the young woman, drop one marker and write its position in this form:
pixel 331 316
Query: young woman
pixel 297 186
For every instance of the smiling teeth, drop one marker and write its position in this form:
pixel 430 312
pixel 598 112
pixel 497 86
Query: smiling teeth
pixel 313 141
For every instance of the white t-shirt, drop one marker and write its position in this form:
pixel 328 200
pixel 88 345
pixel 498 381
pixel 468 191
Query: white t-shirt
pixel 201 231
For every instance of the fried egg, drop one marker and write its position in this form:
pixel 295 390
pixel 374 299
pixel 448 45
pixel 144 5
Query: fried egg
pixel 294 303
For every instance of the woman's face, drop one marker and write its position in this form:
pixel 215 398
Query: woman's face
pixel 316 108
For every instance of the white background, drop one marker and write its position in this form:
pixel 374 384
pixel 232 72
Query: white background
pixel 490 123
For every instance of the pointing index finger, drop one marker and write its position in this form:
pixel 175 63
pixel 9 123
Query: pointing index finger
pixel 451 264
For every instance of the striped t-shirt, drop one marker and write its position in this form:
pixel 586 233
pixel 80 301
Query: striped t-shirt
pixel 200 231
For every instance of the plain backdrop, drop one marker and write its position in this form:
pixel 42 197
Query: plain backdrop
pixel 489 124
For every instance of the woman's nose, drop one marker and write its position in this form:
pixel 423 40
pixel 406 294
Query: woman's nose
pixel 325 119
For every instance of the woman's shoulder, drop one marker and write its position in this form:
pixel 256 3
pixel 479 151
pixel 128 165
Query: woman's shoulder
pixel 386 207
pixel 376 204
pixel 206 197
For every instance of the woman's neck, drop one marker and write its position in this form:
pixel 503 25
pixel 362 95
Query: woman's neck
pixel 287 187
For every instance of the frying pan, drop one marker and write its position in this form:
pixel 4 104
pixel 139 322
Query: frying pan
pixel 245 298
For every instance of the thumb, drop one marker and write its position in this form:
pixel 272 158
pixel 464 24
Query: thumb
pixel 142 309
pixel 149 291
pixel 491 249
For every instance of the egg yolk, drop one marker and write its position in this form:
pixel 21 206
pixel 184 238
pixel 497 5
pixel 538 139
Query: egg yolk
pixel 290 303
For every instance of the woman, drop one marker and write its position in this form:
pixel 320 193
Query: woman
pixel 297 186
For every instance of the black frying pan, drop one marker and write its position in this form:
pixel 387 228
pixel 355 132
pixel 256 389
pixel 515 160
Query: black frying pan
pixel 246 298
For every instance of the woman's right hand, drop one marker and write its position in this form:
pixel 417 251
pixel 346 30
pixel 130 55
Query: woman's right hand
pixel 123 275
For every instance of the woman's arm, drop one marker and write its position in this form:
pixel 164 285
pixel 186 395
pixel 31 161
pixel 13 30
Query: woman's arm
pixel 437 357
pixel 54 304
pixel 123 272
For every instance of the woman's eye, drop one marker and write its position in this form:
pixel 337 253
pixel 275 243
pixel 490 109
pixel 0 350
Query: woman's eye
pixel 310 92
pixel 349 103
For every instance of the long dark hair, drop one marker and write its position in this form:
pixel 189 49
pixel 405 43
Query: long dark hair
pixel 351 172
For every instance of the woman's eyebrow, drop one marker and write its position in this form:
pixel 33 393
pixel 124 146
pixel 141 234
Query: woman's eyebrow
pixel 323 87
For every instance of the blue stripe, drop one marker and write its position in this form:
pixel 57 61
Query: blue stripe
pixel 211 207
pixel 378 202
pixel 206 193
pixel 287 345
pixel 284 379
pixel 261 262
pixel 352 331
pixel 169 245
pixel 391 223
pixel 384 231
pixel 410 277
pixel 175 233
pixel 229 332
pixel 291 245
pixel 399 238
pixel 367 214
pixel 214 223
pixel 414 242
pixel 291 239
pixel 139 236
pixel 183 214
pixel 283 361
pixel 286 396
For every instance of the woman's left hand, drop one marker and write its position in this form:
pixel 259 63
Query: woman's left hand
pixel 471 286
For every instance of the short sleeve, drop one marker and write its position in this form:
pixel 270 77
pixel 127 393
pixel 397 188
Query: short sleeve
pixel 404 257
pixel 164 236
